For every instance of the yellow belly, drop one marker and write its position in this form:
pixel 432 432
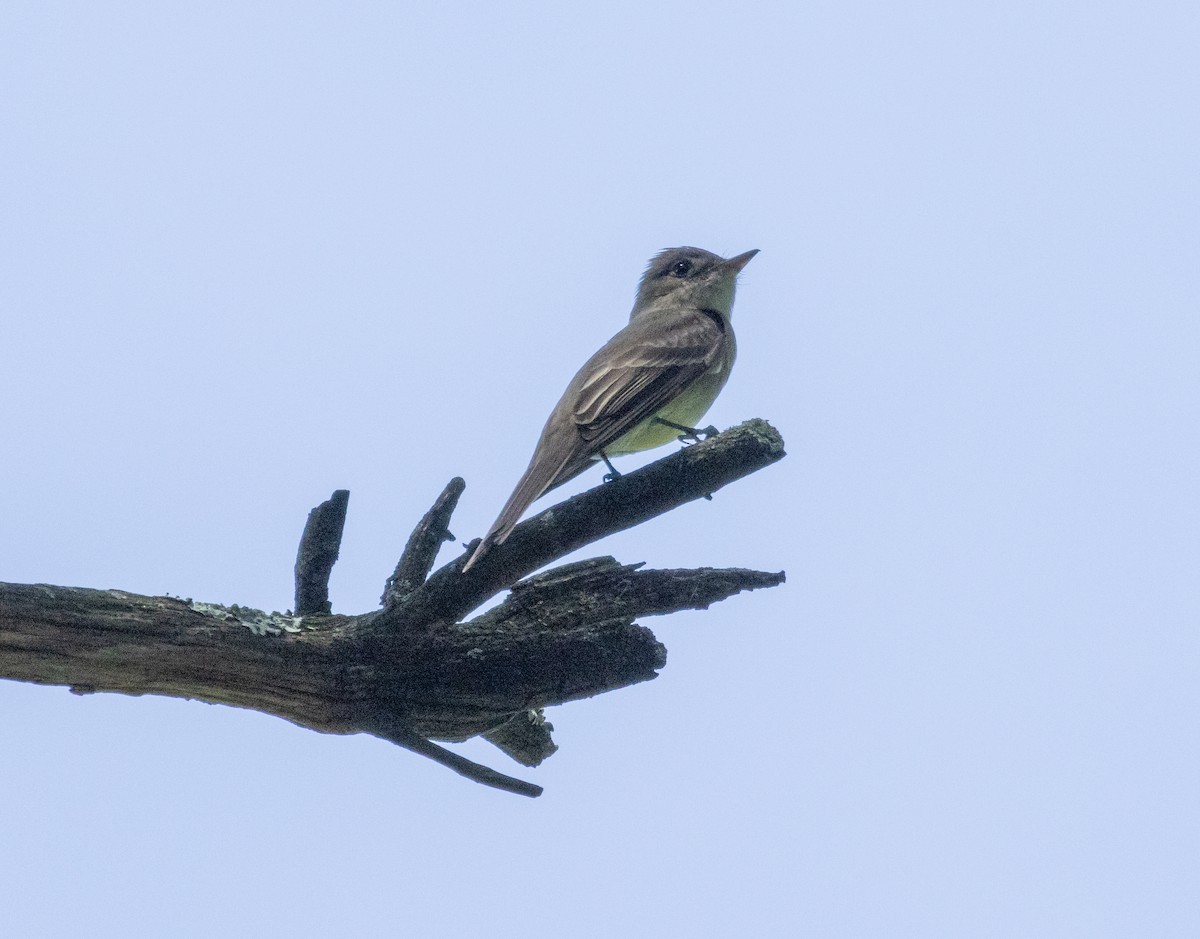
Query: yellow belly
pixel 687 410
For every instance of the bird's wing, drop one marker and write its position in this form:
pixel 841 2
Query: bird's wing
pixel 637 373
pixel 640 371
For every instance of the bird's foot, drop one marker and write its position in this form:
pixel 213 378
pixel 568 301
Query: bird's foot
pixel 690 435
pixel 695 436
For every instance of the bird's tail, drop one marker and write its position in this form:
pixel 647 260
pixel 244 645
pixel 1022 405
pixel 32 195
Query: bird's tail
pixel 553 463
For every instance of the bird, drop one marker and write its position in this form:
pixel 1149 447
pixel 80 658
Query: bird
pixel 655 378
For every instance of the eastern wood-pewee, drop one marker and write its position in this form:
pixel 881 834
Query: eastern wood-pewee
pixel 656 377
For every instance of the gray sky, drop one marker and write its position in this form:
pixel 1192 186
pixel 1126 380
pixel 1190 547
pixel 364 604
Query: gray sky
pixel 255 252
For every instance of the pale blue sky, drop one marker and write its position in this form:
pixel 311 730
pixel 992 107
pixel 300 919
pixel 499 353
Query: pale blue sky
pixel 971 711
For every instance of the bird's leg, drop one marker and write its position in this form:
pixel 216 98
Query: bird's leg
pixel 690 434
pixel 612 473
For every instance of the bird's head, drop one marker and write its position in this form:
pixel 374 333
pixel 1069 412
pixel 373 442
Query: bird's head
pixel 690 277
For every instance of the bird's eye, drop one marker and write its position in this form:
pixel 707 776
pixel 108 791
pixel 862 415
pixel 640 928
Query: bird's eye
pixel 681 268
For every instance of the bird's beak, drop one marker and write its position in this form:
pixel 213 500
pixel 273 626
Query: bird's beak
pixel 736 264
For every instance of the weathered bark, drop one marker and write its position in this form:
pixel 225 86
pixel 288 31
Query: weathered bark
pixel 415 669
pixel 319 547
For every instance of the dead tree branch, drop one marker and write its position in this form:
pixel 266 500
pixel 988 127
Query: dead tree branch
pixel 427 539
pixel 415 670
pixel 318 552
